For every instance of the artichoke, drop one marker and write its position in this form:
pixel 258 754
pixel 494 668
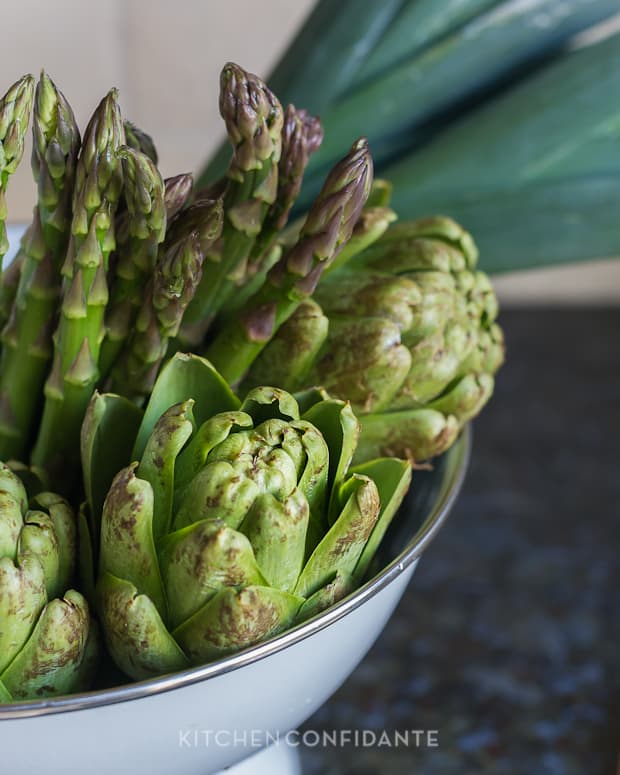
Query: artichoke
pixel 47 639
pixel 405 331
pixel 238 520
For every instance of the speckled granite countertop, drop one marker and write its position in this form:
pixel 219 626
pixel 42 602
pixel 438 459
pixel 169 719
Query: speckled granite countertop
pixel 507 640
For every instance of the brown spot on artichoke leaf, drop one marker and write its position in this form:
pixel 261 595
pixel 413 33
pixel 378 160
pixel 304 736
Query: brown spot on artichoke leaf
pixel 243 631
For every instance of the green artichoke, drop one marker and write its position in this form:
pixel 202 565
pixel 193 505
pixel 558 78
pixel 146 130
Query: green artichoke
pixel 405 331
pixel 48 641
pixel 239 519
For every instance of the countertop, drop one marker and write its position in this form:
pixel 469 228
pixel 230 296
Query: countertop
pixel 507 640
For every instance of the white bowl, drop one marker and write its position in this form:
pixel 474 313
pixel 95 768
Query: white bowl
pixel 207 718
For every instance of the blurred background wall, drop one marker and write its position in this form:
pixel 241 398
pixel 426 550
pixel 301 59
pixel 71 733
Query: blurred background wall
pixel 165 58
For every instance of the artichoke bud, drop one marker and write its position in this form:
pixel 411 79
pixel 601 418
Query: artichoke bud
pixel 53 655
pixel 408 318
pixel 263 513
pixel 44 626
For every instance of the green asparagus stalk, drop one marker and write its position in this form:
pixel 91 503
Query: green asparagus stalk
pixel 371 225
pixel 322 59
pixel 171 289
pixel 15 109
pixel 328 227
pixel 301 136
pixel 80 331
pixel 254 120
pixel 27 338
pixel 136 254
pixel 9 283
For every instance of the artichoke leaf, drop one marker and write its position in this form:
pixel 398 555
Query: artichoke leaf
pixel 157 465
pixel 216 492
pixel 5 696
pixel 135 632
pixel 91 657
pixel 63 521
pixel 277 532
pixel 343 544
pixel 86 555
pixel 436 242
pixel 22 598
pixel 211 433
pixel 427 431
pixel 38 537
pixel 127 546
pixel 465 398
pixel 313 477
pixel 234 619
pixel 49 662
pixel 393 478
pixel 309 397
pixel 287 358
pixel 34 478
pixel 12 485
pixel 185 376
pixel 11 523
pixel 107 437
pixel 365 361
pixel 326 596
pixel 340 429
pixel 199 560
pixel 267 403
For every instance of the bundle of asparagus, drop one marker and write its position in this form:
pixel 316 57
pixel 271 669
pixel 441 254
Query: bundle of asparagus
pixel 95 282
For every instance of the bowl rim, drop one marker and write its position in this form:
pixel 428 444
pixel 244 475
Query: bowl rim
pixel 454 477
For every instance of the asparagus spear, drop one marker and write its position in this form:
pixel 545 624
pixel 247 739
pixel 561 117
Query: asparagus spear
pixel 15 109
pixel 177 191
pixel 328 226
pixel 301 136
pixel 28 336
pixel 254 121
pixel 80 331
pixel 140 141
pixel 177 275
pixel 9 283
pixel 144 226
pixel 197 218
